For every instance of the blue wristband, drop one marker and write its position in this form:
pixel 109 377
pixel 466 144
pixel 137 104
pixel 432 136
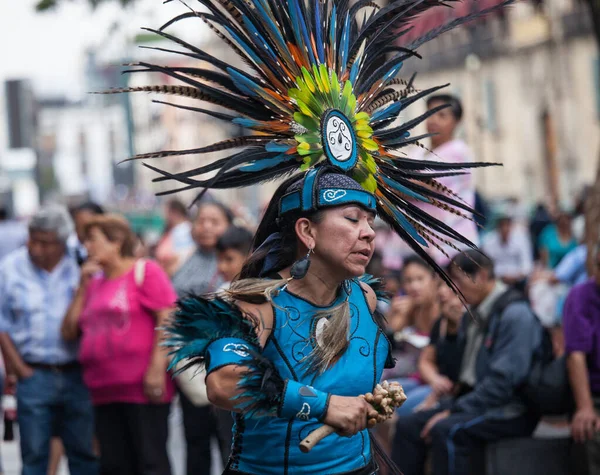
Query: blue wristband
pixel 303 402
pixel 226 351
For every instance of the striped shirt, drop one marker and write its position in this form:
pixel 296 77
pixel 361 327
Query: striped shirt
pixel 33 303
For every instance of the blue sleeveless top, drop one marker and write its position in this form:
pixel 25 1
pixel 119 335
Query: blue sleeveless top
pixel 270 445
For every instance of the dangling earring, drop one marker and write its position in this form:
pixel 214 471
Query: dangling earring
pixel 300 267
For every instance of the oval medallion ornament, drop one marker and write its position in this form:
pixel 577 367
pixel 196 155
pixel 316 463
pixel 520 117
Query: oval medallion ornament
pixel 338 139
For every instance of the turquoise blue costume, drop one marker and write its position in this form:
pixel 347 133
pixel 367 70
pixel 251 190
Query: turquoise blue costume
pixel 270 446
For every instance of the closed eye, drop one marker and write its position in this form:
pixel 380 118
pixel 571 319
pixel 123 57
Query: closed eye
pixel 352 220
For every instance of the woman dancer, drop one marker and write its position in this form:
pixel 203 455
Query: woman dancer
pixel 295 342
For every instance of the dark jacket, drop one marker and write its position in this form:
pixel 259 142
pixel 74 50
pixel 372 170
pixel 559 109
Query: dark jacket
pixel 503 362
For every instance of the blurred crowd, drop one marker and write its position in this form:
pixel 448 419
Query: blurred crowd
pixel 81 295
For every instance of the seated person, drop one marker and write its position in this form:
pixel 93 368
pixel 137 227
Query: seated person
pixel 581 325
pixel 439 363
pixel 499 347
pixel 411 318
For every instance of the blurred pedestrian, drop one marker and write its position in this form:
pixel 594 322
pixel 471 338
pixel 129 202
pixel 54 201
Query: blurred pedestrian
pixel 509 247
pixel 82 215
pixel 447 148
pixel 37 284
pixel 411 318
pixel 581 324
pixel 233 248
pixel 177 237
pixel 118 310
pixel 439 363
pixel 198 274
pixel 556 241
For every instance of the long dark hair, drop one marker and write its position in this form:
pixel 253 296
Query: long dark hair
pixel 285 226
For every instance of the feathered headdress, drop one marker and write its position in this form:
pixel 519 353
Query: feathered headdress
pixel 319 87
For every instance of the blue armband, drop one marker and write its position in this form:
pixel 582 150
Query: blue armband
pixel 227 351
pixel 303 402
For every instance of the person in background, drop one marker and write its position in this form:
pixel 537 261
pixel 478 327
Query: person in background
pixel 419 307
pixel 556 241
pixel 197 275
pixel 447 148
pixel 177 240
pixel 14 234
pixel 498 352
pixel 118 310
pixel 233 248
pixel 509 248
pixel 411 318
pixel 581 324
pixel 538 222
pixel 82 215
pixel 37 284
pixel 439 363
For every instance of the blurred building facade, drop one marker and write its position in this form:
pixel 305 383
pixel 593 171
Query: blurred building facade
pixel 529 81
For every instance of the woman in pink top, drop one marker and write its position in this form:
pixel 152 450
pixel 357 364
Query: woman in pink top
pixel 445 147
pixel 117 309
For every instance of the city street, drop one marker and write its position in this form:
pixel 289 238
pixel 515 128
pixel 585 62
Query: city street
pixel 12 461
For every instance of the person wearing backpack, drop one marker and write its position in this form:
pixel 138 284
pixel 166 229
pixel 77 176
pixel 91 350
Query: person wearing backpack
pixel 500 342
pixel 581 324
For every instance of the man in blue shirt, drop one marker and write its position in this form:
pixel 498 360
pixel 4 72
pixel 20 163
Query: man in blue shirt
pixel 37 283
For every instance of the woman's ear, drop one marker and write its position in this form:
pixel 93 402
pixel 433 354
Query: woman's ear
pixel 304 228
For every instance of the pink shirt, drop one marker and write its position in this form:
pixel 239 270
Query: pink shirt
pixel 455 151
pixel 118 330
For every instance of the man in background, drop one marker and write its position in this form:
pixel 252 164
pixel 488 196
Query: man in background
pixel 37 284
pixel 510 249
pixel 82 215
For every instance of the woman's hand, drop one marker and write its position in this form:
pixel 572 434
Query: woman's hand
pixel 442 385
pixel 155 383
pixel 88 270
pixel 398 315
pixel 349 415
pixel 586 423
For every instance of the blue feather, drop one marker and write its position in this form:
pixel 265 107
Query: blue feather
pixel 332 31
pixel 403 189
pixel 387 112
pixel 302 35
pixel 409 228
pixel 265 163
pixel 277 147
pixel 243 122
pixel 260 40
pixel 244 84
pixel 355 69
pixel 268 22
pixel 344 45
pixel 242 44
pixel 319 32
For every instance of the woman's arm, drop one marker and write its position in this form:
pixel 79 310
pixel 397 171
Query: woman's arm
pixel 430 373
pixel 155 378
pixel 70 326
pixel 222 384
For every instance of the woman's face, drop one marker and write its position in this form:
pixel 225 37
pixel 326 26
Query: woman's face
pixel 99 248
pixel 452 307
pixel 419 283
pixel 344 240
pixel 210 224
